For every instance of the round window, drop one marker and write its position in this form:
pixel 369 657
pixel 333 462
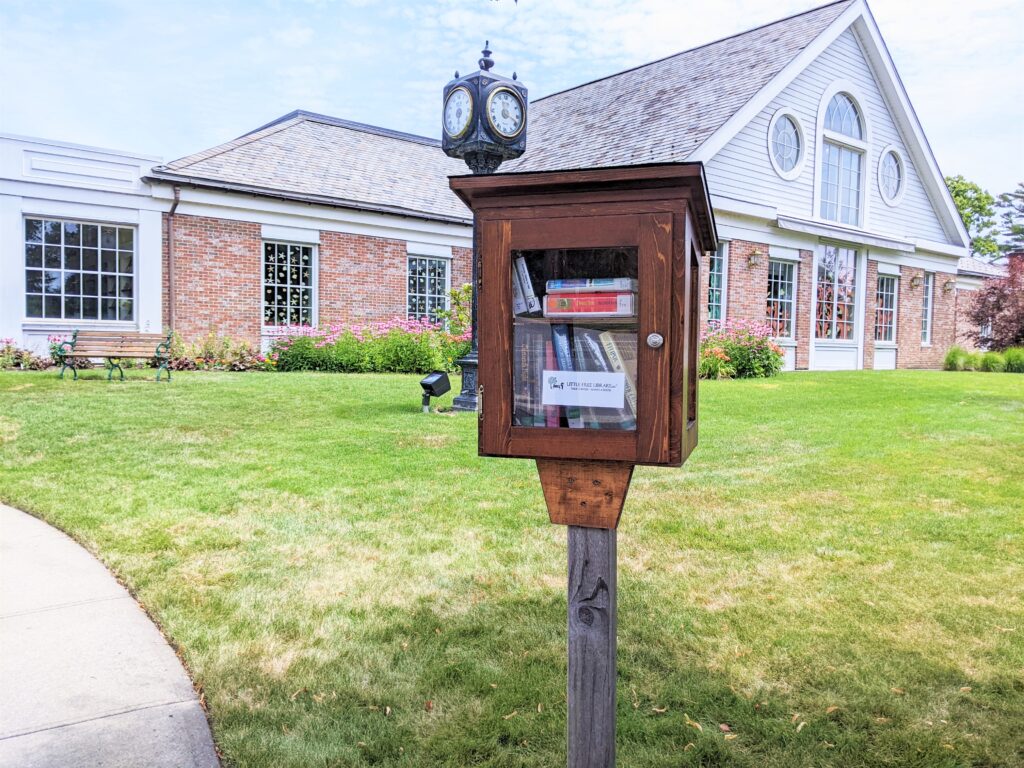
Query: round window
pixel 890 176
pixel 786 144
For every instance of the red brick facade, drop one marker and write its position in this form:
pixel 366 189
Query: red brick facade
pixel 747 289
pixel 218 277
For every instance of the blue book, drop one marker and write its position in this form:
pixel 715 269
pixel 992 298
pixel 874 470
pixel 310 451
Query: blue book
pixel 562 343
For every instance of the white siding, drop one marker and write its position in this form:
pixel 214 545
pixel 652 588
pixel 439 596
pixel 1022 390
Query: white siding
pixel 742 170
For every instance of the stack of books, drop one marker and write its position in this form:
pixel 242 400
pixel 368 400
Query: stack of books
pixel 540 347
pixel 577 297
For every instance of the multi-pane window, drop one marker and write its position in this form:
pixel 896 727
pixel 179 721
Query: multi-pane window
pixel 842 162
pixel 885 309
pixel 835 297
pixel 716 285
pixel 785 143
pixel 287 284
pixel 781 298
pixel 76 270
pixel 926 308
pixel 840 184
pixel 428 287
pixel 891 176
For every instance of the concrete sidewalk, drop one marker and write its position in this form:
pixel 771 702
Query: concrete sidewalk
pixel 86 679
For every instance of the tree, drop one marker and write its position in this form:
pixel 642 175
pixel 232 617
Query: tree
pixel 1011 205
pixel 997 310
pixel 979 216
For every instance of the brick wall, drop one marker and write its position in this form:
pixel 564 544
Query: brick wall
pixel 964 327
pixel 805 284
pixel 218 277
pixel 870 305
pixel 361 278
pixel 911 353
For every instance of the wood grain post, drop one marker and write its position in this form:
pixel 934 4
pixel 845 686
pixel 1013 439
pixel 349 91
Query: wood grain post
pixel 592 625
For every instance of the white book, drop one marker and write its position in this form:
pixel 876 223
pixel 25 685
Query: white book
pixel 518 300
pixel 532 302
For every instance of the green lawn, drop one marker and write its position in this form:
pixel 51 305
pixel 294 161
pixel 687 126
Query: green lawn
pixel 837 575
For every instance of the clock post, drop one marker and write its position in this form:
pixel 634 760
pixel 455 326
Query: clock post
pixel 484 123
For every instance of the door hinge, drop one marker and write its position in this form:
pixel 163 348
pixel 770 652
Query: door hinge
pixel 480 401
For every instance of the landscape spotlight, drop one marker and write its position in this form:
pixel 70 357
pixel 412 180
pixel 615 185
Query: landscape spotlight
pixel 434 385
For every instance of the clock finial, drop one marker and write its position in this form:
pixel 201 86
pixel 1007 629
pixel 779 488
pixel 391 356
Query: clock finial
pixel 486 62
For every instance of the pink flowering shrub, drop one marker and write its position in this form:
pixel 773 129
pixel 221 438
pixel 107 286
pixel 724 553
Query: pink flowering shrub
pixel 12 356
pixel 214 352
pixel 397 345
pixel 740 349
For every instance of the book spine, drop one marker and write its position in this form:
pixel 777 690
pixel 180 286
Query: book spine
pixel 618 365
pixel 550 411
pixel 538 343
pixel 583 304
pixel 563 356
pixel 532 302
pixel 592 285
pixel 518 300
pixel 591 418
pixel 590 347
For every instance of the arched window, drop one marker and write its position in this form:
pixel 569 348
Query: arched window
pixel 842 161
pixel 842 117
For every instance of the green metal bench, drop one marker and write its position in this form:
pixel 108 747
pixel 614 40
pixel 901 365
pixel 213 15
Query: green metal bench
pixel 113 347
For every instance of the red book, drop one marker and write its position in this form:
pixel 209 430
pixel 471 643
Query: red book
pixel 612 304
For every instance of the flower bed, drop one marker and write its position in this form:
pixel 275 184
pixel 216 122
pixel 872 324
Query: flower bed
pixel 739 349
pixel 397 345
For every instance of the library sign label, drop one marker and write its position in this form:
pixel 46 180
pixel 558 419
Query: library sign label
pixel 584 388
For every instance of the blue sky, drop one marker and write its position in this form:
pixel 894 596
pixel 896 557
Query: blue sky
pixel 170 78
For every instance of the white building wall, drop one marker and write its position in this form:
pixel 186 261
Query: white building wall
pixel 742 169
pixel 68 181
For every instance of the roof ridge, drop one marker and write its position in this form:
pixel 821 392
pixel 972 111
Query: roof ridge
pixel 341 122
pixel 697 47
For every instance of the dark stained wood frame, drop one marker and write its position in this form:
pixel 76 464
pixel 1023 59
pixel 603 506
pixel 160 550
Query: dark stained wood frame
pixel 664 212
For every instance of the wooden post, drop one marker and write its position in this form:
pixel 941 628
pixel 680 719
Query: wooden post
pixel 592 624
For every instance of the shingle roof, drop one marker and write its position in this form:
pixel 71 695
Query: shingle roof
pixel 658 112
pixel 663 111
pixel 968 265
pixel 324 159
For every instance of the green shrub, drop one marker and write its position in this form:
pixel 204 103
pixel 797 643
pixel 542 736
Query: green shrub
pixel 955 359
pixel 993 362
pixel 392 346
pixel 715 364
pixel 214 352
pixel 1014 359
pixel 741 349
pixel 972 361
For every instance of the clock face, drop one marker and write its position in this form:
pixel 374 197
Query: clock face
pixel 458 110
pixel 505 112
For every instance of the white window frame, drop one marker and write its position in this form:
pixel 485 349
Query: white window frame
pixel 314 287
pixel 723 246
pixel 862 146
pixel 895 151
pixel 792 266
pixel 449 262
pixel 797 169
pixel 895 309
pixel 63 321
pixel 927 308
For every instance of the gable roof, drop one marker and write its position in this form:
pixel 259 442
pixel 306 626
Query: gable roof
pixel 688 106
pixel 319 159
pixel 663 111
